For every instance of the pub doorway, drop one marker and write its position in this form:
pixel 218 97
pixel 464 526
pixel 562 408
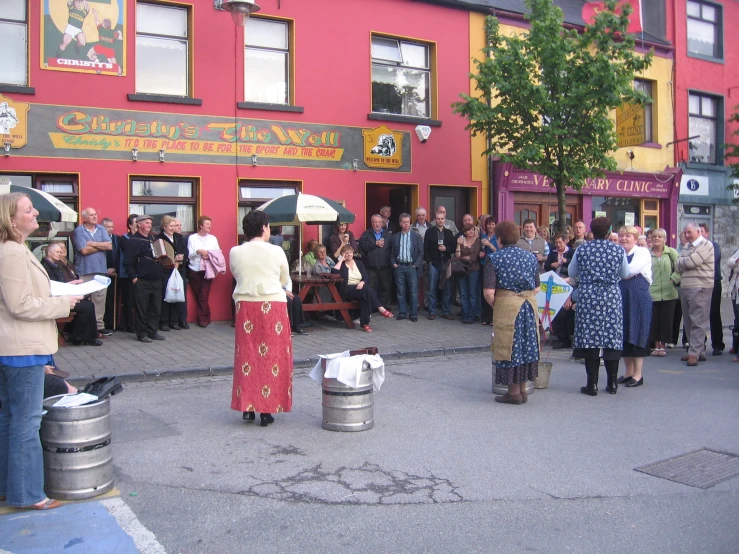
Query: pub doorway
pixel 457 201
pixel 400 197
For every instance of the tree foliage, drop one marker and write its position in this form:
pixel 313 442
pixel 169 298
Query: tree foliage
pixel 546 95
pixel 731 152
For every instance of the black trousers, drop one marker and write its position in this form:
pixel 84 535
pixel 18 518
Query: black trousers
pixel 663 317
pixel 380 279
pixel 126 318
pixel 173 314
pixel 148 299
pixel 295 311
pixel 563 326
pixel 368 301
pixel 717 331
pixel 84 326
pixel 110 299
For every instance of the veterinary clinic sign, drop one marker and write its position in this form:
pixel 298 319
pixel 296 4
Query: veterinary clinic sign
pixel 112 134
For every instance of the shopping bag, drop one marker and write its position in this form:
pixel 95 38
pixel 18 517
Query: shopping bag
pixel 175 289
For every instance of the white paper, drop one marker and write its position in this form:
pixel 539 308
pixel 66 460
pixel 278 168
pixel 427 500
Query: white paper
pixel 72 400
pixel 629 218
pixel 99 282
pixel 557 290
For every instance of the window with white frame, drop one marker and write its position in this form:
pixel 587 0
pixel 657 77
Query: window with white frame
pixel 13 42
pixel 401 77
pixel 162 50
pixel 159 197
pixel 702 122
pixel 266 61
pixel 704 29
pixel 646 87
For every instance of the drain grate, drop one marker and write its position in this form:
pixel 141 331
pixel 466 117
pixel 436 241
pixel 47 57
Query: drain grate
pixel 702 469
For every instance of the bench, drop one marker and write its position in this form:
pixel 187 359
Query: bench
pixel 60 323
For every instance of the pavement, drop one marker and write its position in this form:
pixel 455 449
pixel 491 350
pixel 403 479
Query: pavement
pixel 209 351
pixel 445 468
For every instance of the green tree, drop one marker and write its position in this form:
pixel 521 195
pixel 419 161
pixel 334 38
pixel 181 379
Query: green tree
pixel 546 95
pixel 731 151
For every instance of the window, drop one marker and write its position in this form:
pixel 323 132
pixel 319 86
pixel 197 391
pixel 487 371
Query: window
pixel 266 61
pixel 401 77
pixel 164 197
pixel 646 88
pixel 253 194
pixel 702 122
pixel 704 29
pixel 162 50
pixel 13 42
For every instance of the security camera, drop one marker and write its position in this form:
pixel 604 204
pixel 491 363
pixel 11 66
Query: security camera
pixel 423 132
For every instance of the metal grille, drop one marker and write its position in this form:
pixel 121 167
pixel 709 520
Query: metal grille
pixel 702 468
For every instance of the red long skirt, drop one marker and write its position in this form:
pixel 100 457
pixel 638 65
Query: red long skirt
pixel 263 358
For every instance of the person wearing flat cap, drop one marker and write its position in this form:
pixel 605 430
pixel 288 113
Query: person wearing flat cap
pixel 145 273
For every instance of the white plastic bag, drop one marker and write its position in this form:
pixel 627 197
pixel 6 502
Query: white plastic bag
pixel 175 288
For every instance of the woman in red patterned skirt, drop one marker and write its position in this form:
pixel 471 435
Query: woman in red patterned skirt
pixel 263 359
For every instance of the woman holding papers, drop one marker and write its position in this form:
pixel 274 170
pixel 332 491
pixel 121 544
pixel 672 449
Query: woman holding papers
pixel 263 361
pixel 83 327
pixel 28 338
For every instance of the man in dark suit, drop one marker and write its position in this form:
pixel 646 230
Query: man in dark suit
pixel 438 248
pixel 406 257
pixel 375 246
pixel 113 258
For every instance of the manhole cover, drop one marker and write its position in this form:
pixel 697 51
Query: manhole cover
pixel 702 469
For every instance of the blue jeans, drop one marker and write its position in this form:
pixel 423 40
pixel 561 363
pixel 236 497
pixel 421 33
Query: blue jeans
pixel 407 276
pixel 21 458
pixel 469 295
pixel 446 295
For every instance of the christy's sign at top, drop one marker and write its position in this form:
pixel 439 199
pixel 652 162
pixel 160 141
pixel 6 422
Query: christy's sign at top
pixel 61 131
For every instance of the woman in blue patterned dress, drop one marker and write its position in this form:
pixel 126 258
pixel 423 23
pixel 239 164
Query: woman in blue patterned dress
pixel 637 304
pixel 511 282
pixel 599 318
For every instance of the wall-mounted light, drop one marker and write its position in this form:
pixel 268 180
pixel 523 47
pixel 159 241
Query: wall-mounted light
pixel 161 155
pixel 6 147
pixel 355 164
pixel 254 160
pixel 240 9
pixel 135 154
pixel 630 154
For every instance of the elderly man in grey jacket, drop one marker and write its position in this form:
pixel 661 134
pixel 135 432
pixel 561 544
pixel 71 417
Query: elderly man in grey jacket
pixel 696 268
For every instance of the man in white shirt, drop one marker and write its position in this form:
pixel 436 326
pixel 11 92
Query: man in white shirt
pixel 421 226
pixel 198 246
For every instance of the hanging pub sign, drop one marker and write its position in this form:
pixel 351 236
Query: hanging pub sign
pixel 630 125
pixel 13 122
pixel 97 133
pixel 84 36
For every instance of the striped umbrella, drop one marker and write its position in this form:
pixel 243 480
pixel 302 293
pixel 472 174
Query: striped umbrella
pixel 295 209
pixel 49 208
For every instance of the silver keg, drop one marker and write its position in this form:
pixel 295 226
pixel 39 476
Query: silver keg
pixel 78 459
pixel 346 408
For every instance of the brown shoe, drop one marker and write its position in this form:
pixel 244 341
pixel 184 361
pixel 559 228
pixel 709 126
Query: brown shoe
pixel 692 361
pixel 685 358
pixel 432 317
pixel 450 317
pixel 509 399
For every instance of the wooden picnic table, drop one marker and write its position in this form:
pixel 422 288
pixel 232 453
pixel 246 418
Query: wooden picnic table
pixel 307 284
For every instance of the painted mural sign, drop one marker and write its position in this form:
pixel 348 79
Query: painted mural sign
pixel 383 147
pixel 84 36
pixel 630 130
pixel 13 122
pixel 658 186
pixel 112 134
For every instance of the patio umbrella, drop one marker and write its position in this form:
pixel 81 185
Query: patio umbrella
pixel 49 208
pixel 295 209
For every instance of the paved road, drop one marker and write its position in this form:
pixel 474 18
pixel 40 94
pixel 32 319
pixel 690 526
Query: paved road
pixel 444 469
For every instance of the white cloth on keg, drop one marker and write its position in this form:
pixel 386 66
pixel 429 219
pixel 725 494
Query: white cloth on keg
pixel 72 400
pixel 347 369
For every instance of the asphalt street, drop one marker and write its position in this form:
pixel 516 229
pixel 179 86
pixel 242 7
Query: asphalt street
pixel 444 469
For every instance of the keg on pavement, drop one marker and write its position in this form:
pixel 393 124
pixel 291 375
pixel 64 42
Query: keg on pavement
pixel 78 460
pixel 346 408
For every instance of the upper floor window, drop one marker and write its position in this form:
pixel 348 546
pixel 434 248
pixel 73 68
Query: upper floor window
pixel 13 42
pixel 401 77
pixel 266 61
pixel 646 87
pixel 162 50
pixel 702 122
pixel 704 29
pixel 159 197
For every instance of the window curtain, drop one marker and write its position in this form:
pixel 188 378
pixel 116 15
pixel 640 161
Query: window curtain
pixel 185 213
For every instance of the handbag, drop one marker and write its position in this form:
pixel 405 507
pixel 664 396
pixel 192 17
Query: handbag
pixel 458 266
pixel 175 289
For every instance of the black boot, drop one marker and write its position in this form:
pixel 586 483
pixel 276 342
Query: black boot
pixel 612 372
pixel 264 419
pixel 592 387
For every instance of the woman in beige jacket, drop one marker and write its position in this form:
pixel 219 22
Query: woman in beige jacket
pixel 28 338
